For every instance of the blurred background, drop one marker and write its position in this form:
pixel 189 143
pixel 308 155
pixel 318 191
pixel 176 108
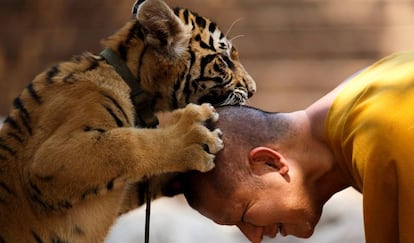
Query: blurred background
pixel 297 50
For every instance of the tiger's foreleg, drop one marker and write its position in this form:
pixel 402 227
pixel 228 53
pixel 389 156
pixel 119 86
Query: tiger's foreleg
pixel 70 168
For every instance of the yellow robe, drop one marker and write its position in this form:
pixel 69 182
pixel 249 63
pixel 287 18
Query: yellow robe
pixel 371 130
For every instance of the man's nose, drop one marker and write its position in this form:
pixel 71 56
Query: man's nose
pixel 253 233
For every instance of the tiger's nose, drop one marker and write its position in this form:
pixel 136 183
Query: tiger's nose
pixel 251 86
pixel 250 93
pixel 251 89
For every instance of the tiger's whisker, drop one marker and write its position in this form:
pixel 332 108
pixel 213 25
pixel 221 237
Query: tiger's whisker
pixel 232 25
pixel 236 37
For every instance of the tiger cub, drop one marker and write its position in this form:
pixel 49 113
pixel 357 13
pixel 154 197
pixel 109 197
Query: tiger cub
pixel 71 158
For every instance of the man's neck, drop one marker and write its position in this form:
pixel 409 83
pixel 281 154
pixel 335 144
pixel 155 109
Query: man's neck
pixel 318 112
pixel 333 179
pixel 312 157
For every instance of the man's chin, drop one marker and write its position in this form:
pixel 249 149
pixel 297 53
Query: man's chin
pixel 302 232
pixel 306 229
pixel 306 234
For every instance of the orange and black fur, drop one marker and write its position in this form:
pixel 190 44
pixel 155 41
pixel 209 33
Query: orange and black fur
pixel 71 158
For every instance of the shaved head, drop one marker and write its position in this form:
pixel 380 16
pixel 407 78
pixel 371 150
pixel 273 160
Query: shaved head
pixel 244 128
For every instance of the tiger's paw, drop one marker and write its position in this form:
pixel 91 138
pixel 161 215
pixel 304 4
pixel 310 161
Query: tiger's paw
pixel 194 128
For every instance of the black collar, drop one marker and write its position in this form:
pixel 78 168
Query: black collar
pixel 142 102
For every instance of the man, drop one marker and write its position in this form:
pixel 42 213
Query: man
pixel 278 169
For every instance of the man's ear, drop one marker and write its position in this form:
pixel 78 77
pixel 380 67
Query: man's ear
pixel 263 160
pixel 164 31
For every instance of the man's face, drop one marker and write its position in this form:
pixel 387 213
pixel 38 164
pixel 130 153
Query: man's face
pixel 265 211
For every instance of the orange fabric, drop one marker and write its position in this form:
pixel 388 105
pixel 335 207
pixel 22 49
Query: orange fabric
pixel 371 129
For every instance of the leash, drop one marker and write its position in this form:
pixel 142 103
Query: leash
pixel 144 113
pixel 147 214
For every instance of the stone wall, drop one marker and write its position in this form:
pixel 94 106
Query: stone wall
pixel 295 49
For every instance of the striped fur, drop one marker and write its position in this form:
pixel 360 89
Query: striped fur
pixel 71 159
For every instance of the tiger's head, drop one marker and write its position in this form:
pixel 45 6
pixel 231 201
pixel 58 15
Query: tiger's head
pixel 181 57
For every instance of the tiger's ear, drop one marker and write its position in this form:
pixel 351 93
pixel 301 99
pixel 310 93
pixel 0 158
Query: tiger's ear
pixel 136 6
pixel 164 31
